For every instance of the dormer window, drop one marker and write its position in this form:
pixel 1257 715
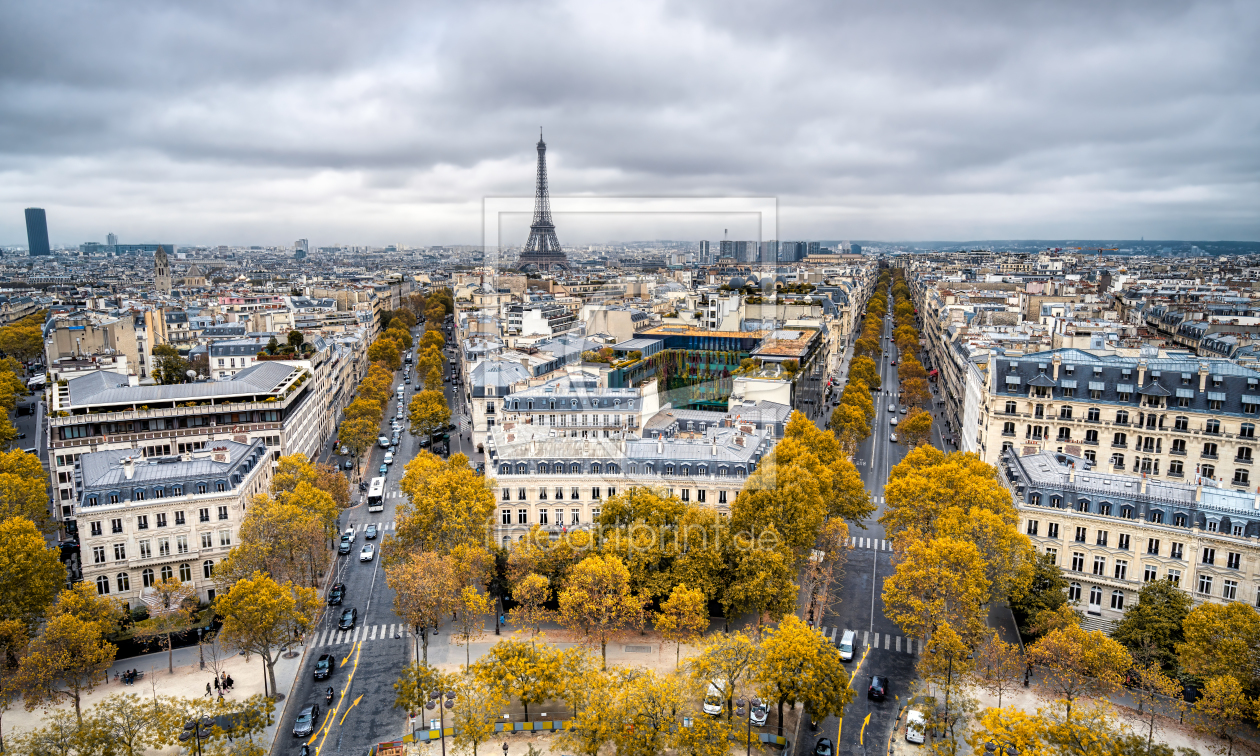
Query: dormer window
pixel 1069 369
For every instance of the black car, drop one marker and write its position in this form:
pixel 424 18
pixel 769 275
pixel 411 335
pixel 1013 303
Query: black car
pixel 323 666
pixel 823 748
pixel 878 688
pixel 370 533
pixel 336 594
pixel 305 724
pixel 345 546
pixel 348 618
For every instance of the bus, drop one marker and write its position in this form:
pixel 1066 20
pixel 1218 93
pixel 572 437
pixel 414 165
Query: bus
pixel 376 495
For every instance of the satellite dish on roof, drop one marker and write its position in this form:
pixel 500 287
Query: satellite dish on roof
pixel 192 374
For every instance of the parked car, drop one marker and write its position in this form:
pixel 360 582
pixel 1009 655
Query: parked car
pixel 323 666
pixel 336 594
pixel 383 441
pixel 891 421
pixel 370 533
pixel 823 747
pixel 878 689
pixel 344 547
pixel 892 437
pixel 758 714
pixel 345 450
pixel 367 553
pixel 348 618
pixel 714 697
pixel 903 410
pixel 916 727
pixel 385 468
pixel 892 408
pixel 389 457
pixel 349 464
pixel 305 724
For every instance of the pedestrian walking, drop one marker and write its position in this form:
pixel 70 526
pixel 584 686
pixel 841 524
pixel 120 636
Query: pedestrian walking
pixel 207 690
pixel 216 684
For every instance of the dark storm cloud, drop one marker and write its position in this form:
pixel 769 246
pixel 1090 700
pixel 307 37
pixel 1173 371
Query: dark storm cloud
pixel 388 121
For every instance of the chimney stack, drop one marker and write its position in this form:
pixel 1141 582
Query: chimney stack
pixel 129 468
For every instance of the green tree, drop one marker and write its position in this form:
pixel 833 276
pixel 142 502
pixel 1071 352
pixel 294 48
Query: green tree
pixel 798 664
pixel 31 572
pixel 515 669
pixel 169 366
pixel 761 584
pixel 999 666
pixel 1154 691
pixel 171 613
pixel 428 412
pixel 596 602
pixel 295 339
pixel 281 538
pixel 684 616
pixel 1222 639
pixel 1045 594
pixel 418 680
pixel 850 426
pixel 261 616
pixel 132 725
pixel 1151 626
pixel 401 336
pixel 647 706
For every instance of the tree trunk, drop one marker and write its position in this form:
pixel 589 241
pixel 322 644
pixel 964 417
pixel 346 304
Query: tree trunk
pixel 425 644
pixel 780 715
pixel 170 655
pixel 603 652
pixel 677 654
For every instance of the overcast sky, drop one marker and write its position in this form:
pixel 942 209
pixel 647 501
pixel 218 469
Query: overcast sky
pixel 376 122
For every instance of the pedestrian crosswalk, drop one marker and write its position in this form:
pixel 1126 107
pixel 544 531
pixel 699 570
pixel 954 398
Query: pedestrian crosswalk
pixel 886 641
pixel 381 527
pixel 877 544
pixel 367 633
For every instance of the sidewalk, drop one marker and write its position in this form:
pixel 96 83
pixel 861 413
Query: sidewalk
pixel 187 681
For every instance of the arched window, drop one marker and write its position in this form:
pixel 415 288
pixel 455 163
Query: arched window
pixel 739 471
pixel 505 469
pixel 1104 509
pixel 146 577
pixel 669 469
pixel 207 568
pixel 102 584
pixel 167 572
pixel 1126 512
pixel 544 468
pixel 575 468
pixel 702 470
pixel 613 469
pixel 124 582
pixel 1117 600
pixel 220 486
pixel 722 471
pixel 1034 499
pixel 521 468
pixel 596 468
pixel 1056 501
pixel 685 470
pixel 1082 505
pixel 185 573
pixel 1074 592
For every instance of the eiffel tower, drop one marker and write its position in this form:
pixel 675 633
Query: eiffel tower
pixel 542 251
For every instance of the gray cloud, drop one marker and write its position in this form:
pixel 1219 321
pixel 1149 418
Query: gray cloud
pixel 388 121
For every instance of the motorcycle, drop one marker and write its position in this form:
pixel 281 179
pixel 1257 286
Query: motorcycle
pixel 328 697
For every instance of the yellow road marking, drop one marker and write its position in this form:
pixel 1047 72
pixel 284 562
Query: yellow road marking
pixel 852 677
pixel 341 699
pixel 862 734
pixel 315 732
pixel 343 716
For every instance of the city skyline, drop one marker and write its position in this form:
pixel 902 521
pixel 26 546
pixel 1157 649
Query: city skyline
pixel 985 122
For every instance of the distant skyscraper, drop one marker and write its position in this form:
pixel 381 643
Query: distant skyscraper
pixel 769 252
pixel 856 249
pixel 745 251
pixel 813 248
pixel 301 248
pixel 542 250
pixel 702 255
pixel 111 239
pixel 37 231
pixel 791 251
pixel 161 271
pixel 727 249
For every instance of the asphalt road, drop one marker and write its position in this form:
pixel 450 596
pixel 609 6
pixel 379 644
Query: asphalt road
pixel 882 649
pixel 369 659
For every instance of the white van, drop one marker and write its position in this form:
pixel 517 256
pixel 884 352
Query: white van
pixel 714 697
pixel 846 645
pixel 389 458
pixel 916 727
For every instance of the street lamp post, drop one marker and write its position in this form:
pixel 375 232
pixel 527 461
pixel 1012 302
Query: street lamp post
pixel 201 650
pixel 740 711
pixel 197 731
pixel 436 701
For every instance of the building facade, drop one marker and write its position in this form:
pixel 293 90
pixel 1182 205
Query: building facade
pixel 1173 419
pixel 1111 533
pixel 144 519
